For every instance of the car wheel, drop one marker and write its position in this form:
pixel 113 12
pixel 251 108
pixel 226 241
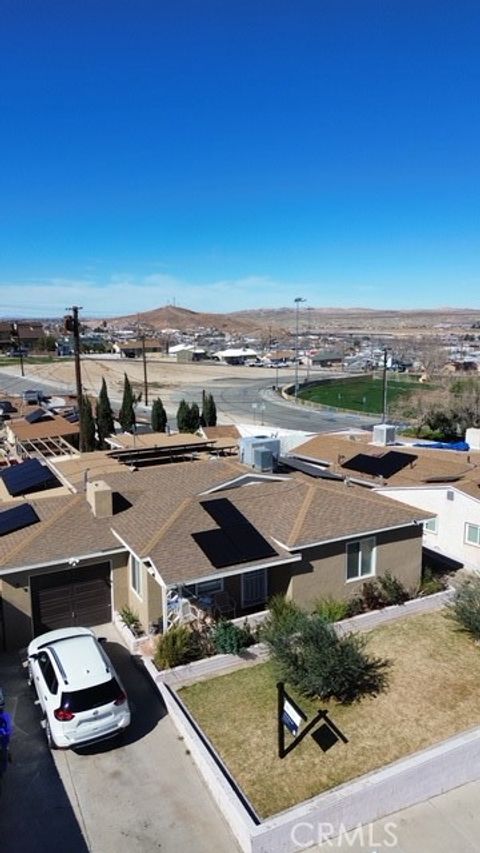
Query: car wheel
pixel 48 734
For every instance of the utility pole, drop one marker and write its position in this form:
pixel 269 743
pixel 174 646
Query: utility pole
pixel 384 408
pixel 145 381
pixel 297 301
pixel 141 335
pixel 72 325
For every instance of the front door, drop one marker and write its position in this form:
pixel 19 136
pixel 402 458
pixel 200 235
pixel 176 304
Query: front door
pixel 254 588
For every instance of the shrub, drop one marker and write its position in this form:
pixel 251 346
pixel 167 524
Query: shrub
pixel 320 663
pixel 392 589
pixel 228 638
pixel 372 596
pixel 465 608
pixel 431 583
pixel 284 619
pixel 355 605
pixel 131 618
pixel 331 609
pixel 177 646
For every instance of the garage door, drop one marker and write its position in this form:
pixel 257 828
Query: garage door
pixel 76 597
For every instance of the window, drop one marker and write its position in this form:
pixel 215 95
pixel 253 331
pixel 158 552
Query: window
pixel 431 525
pixel 472 534
pixel 360 558
pixel 48 672
pixel 206 587
pixel 254 588
pixel 136 575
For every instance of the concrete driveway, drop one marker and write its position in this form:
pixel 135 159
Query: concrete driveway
pixel 143 795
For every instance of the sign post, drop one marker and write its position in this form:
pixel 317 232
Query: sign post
pixel 290 716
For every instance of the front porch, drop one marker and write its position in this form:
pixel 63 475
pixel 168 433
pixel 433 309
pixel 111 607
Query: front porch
pixel 203 603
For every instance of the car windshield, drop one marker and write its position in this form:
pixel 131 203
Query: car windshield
pixel 91 697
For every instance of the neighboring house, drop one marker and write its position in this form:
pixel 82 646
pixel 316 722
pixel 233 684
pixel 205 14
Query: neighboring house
pixel 25 335
pixel 235 355
pixel 209 530
pixel 44 432
pixel 134 349
pixel 443 482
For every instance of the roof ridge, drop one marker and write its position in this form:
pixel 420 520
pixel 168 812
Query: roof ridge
pixel 302 513
pixel 75 499
pixel 167 524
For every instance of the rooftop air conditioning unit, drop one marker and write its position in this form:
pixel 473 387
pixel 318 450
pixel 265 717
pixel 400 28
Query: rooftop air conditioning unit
pixel 383 434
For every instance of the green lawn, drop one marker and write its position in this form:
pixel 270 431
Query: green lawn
pixel 360 393
pixel 433 694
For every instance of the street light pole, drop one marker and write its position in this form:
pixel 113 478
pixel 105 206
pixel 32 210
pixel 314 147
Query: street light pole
pixel 297 301
pixel 384 394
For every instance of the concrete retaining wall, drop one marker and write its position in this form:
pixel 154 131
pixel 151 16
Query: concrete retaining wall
pixel 411 780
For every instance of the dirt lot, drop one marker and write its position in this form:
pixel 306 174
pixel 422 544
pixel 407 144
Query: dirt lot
pixel 164 375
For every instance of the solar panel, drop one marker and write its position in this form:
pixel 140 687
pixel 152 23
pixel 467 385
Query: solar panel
pixel 36 416
pixel 72 418
pixel 237 540
pixel 20 479
pixel 380 466
pixel 17 518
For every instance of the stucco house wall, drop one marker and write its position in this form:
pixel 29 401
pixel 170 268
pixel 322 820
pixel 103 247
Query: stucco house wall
pixel 453 509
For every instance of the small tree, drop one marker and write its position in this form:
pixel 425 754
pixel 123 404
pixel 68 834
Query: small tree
pixel 209 411
pixel 193 418
pixel 308 653
pixel 182 416
pixel 159 416
pixel 87 426
pixel 105 422
pixel 465 608
pixel 127 413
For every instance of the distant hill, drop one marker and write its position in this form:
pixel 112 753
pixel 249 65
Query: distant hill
pixel 277 322
pixel 173 317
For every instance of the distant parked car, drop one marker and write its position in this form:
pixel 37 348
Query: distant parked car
pixel 81 695
pixel 32 397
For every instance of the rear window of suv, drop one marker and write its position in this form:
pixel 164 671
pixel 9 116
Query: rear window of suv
pixel 91 697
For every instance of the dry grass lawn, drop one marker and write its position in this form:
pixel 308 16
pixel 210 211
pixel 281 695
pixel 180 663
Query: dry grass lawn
pixel 433 694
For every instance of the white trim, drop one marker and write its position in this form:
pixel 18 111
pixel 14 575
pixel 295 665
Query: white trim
pixel 372 573
pixel 434 522
pixel 237 482
pixel 466 540
pixel 139 564
pixel 295 558
pixel 60 561
pixel 360 534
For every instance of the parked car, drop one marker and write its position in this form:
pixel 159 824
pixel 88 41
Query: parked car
pixel 32 397
pixel 80 694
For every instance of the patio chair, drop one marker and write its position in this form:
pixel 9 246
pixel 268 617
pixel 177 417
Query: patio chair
pixel 223 604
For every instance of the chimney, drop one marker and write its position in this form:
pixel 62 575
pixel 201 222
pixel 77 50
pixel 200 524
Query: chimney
pixel 100 498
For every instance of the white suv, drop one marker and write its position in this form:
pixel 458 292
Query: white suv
pixel 81 696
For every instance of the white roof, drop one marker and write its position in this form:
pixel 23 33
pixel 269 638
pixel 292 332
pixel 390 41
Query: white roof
pixel 236 353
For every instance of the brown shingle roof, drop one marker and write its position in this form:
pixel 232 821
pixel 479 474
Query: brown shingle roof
pixel 52 428
pixel 165 508
pixel 336 451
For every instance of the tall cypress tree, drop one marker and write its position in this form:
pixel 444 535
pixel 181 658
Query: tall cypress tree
pixel 182 416
pixel 193 418
pixel 127 413
pixel 87 426
pixel 159 416
pixel 105 423
pixel 212 411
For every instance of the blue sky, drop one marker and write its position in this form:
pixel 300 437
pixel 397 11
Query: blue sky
pixel 234 154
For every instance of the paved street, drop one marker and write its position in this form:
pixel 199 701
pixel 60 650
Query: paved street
pixel 449 823
pixel 143 796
